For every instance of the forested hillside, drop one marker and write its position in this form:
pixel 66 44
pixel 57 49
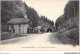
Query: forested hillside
pixel 44 22
pixel 69 21
pixel 9 10
pixel 70 18
pixel 18 9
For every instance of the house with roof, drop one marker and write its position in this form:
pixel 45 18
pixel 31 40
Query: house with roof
pixel 45 26
pixel 19 25
pixel 37 29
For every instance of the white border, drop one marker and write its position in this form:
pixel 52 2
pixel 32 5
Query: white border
pixel 50 52
pixel 41 52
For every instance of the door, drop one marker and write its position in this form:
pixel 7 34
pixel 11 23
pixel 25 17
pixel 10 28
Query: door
pixel 13 30
pixel 19 30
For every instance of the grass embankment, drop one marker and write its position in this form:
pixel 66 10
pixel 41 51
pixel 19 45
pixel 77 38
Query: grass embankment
pixel 8 35
pixel 69 37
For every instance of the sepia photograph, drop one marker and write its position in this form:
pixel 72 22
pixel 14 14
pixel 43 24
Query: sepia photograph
pixel 39 25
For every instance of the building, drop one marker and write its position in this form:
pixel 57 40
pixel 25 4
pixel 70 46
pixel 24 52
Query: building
pixel 38 29
pixel 45 26
pixel 19 25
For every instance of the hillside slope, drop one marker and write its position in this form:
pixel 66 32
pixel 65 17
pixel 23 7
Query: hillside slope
pixel 69 24
pixel 17 9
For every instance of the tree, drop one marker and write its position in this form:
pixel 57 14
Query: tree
pixel 10 10
pixel 32 15
pixel 45 19
pixel 71 9
pixel 59 21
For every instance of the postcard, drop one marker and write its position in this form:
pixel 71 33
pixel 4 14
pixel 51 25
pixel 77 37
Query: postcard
pixel 39 25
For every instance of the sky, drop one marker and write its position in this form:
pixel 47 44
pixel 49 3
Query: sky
pixel 52 9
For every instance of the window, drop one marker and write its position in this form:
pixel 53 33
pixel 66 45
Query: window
pixel 9 30
pixel 19 25
pixel 13 30
pixel 12 26
pixel 19 30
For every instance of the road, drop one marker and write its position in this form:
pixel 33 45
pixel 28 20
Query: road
pixel 46 41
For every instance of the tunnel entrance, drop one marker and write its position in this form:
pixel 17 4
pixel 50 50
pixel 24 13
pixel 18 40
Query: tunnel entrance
pixel 49 30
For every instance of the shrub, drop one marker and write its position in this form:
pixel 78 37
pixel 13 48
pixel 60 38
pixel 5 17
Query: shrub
pixel 6 35
pixel 74 34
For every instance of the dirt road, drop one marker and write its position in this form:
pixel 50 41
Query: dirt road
pixel 46 41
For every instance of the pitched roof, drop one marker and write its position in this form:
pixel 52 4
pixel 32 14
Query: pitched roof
pixel 18 21
pixel 38 27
